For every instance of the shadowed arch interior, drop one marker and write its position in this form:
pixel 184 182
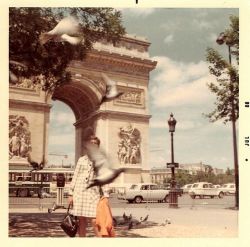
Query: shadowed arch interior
pixel 80 96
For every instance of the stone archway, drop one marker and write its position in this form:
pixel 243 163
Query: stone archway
pixel 83 97
pixel 129 65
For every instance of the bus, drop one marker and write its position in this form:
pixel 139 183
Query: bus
pixel 24 183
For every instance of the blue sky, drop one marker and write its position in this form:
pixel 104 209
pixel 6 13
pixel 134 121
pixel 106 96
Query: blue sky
pixel 179 38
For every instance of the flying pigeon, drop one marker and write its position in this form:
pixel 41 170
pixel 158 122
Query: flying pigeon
pixel 105 174
pixel 35 165
pixel 111 90
pixel 66 30
pixel 12 76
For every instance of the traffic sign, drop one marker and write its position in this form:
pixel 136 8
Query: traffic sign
pixel 172 165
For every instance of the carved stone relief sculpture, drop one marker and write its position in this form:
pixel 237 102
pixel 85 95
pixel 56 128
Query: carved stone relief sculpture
pixel 19 137
pixel 129 146
pixel 131 96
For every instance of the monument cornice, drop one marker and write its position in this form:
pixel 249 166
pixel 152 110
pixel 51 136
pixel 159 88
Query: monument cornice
pixel 121 115
pixel 103 60
pixel 28 104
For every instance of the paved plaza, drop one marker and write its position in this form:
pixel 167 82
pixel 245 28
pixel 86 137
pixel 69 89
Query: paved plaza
pixel 184 222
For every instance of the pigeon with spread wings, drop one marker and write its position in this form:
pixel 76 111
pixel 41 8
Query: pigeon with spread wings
pixel 68 29
pixel 35 165
pixel 105 173
pixel 111 90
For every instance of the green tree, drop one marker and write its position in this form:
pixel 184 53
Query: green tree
pixel 52 58
pixel 226 86
pixel 228 171
pixel 183 177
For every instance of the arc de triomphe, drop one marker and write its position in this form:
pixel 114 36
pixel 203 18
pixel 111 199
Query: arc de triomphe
pixel 122 124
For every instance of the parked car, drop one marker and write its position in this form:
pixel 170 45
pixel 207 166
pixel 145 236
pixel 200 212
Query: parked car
pixel 146 192
pixel 228 189
pixel 217 186
pixel 204 189
pixel 122 190
pixel 186 188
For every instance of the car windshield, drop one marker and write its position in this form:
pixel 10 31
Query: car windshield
pixel 133 187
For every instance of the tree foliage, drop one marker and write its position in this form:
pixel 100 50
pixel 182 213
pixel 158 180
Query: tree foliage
pixel 184 177
pixel 52 59
pixel 226 87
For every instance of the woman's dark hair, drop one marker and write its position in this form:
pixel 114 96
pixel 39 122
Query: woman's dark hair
pixel 94 138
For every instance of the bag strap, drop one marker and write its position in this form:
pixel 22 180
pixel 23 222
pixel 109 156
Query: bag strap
pixel 69 206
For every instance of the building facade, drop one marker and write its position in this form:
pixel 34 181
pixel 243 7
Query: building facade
pixel 160 175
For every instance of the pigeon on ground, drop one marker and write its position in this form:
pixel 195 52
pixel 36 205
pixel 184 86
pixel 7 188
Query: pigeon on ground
pixel 125 217
pixel 67 29
pixel 130 225
pixel 105 174
pixel 111 90
pixel 145 219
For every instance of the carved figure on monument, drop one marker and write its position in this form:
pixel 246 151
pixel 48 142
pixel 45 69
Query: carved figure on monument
pixel 129 146
pixel 19 137
pixel 15 144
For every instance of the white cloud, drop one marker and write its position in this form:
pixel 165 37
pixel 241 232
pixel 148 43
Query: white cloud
pixel 201 24
pixel 178 83
pixel 62 118
pixel 157 123
pixel 169 39
pixel 62 140
pixel 211 37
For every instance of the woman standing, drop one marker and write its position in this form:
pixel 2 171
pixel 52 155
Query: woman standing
pixel 85 200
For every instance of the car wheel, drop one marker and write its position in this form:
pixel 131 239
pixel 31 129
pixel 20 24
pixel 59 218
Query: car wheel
pixel 130 201
pixel 212 197
pixel 221 194
pixel 193 196
pixel 138 199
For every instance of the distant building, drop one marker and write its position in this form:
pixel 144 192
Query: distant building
pixel 160 175
pixel 193 168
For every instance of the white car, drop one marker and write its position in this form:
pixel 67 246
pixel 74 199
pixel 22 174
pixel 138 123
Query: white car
pixel 146 192
pixel 228 189
pixel 205 189
pixel 216 186
pixel 186 188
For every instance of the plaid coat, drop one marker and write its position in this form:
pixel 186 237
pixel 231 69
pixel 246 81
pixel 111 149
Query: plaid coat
pixel 84 201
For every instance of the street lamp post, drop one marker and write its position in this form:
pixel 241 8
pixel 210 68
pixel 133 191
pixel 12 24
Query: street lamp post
pixel 221 40
pixel 173 202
